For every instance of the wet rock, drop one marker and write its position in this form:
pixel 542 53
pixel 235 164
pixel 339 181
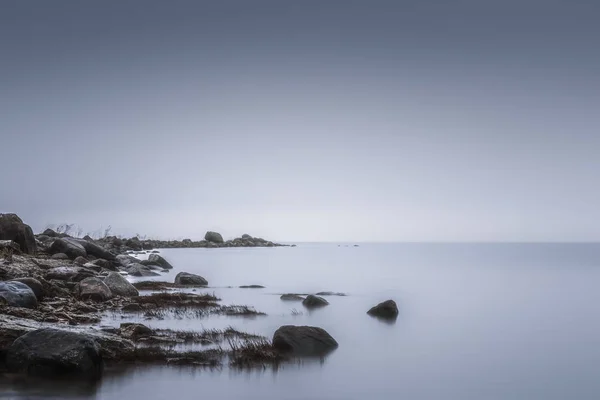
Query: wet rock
pixel 68 273
pixel 388 309
pixel 93 289
pixel 33 284
pixel 140 270
pixel 134 330
pixel 51 352
pixel 60 256
pixel 17 294
pixel 119 286
pixel 155 258
pixel 303 340
pixel 13 228
pixel 80 261
pixel 213 237
pixel 291 297
pixel 69 247
pixel 312 301
pixel 185 278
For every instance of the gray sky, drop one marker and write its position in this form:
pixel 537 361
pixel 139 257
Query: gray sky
pixel 304 120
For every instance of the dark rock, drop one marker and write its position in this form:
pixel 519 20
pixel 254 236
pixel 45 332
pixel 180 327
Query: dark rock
pixel 126 260
pixel 160 261
pixel 252 287
pixel 139 270
pixel 35 285
pixel 69 247
pixel 133 307
pixel 10 246
pixel 184 278
pixel 303 340
pixel 149 263
pixel 80 261
pixel 88 238
pixel 213 237
pixel 119 286
pixel 17 294
pixel 60 256
pixel 291 297
pixel 388 309
pixel 134 330
pixel 13 228
pixel 70 274
pixel 134 243
pixel 94 249
pixel 312 301
pixel 331 294
pixel 104 264
pixel 155 251
pixel 51 352
pixel 50 232
pixel 93 289
pixel 245 236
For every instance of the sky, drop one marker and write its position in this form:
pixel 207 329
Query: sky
pixel 304 120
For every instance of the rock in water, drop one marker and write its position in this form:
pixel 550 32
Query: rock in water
pixel 312 301
pixel 93 289
pixel 213 237
pixel 303 340
pixel 13 228
pixel 291 297
pixel 184 278
pixel 68 247
pixel 17 294
pixel 155 258
pixel 33 284
pixel 52 352
pixel 388 309
pixel 119 286
pixel 125 260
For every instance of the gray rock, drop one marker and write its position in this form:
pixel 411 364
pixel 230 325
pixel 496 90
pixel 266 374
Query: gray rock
pixel 119 286
pixel 291 297
pixel 139 270
pixel 17 294
pixel 160 261
pixel 303 340
pixel 35 285
pixel 69 247
pixel 134 330
pixel 50 232
pixel 51 352
pixel 60 256
pixel 125 260
pixel 80 261
pixel 104 264
pixel 93 289
pixel 213 237
pixel 388 309
pixel 13 228
pixel 245 236
pixel 252 287
pixel 330 294
pixel 9 245
pixel 69 274
pixel 184 278
pixel 149 263
pixel 94 249
pixel 312 301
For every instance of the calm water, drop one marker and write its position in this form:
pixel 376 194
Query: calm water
pixel 477 321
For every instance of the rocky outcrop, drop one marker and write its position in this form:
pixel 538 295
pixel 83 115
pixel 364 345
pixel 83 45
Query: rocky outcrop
pixel 213 237
pixel 93 289
pixel 52 352
pixel 312 301
pixel 17 294
pixel 69 273
pixel 33 284
pixel 303 340
pixel 119 286
pixel 184 278
pixel 291 297
pixel 159 260
pixel 69 247
pixel 388 310
pixel 13 228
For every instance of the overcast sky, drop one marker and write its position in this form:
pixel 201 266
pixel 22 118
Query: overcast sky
pixel 304 120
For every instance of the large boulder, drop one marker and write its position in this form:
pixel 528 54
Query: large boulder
pixel 126 260
pixel 69 274
pixel 213 237
pixel 312 301
pixel 68 246
pixel 33 284
pixel 50 232
pixel 140 270
pixel 119 286
pixel 245 236
pixel 185 278
pixel 13 228
pixel 155 258
pixel 303 340
pixel 52 352
pixel 17 294
pixel 388 309
pixel 94 249
pixel 93 289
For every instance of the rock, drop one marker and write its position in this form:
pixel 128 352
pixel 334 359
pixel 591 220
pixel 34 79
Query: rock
pixel 213 237
pixel 10 246
pixel 80 261
pixel 149 263
pixel 184 278
pixel 303 340
pixel 17 294
pixel 95 250
pixel 291 297
pixel 60 256
pixel 252 287
pixel 13 228
pixel 33 284
pixel 312 301
pixel 104 264
pixel 119 286
pixel 51 352
pixel 330 294
pixel 50 232
pixel 155 258
pixel 125 260
pixel 92 267
pixel 139 270
pixel 388 309
pixel 133 307
pixel 93 289
pixel 88 238
pixel 134 331
pixel 134 243
pixel 69 247
pixel 70 274
pixel 155 251
pixel 245 236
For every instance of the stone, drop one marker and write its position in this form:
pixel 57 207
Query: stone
pixel 93 289
pixel 119 286
pixel 133 307
pixel 303 340
pixel 252 287
pixel 312 301
pixel 69 274
pixel 10 246
pixel 17 294
pixel 60 256
pixel 185 278
pixel 104 264
pixel 69 247
pixel 134 244
pixel 140 270
pixel 33 284
pixel 245 236
pixel 291 297
pixel 387 309
pixel 125 260
pixel 13 228
pixel 94 249
pixel 80 261
pixel 155 258
pixel 330 294
pixel 50 232
pixel 52 352
pixel 134 330
pixel 213 237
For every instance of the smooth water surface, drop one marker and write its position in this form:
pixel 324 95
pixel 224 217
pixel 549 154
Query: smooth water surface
pixel 477 321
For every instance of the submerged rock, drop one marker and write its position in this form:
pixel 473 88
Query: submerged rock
pixel 331 294
pixel 303 340
pixel 291 297
pixel 119 286
pixel 51 352
pixel 17 294
pixel 13 228
pixel 213 237
pixel 387 309
pixel 159 260
pixel 312 301
pixel 93 289
pixel 184 278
